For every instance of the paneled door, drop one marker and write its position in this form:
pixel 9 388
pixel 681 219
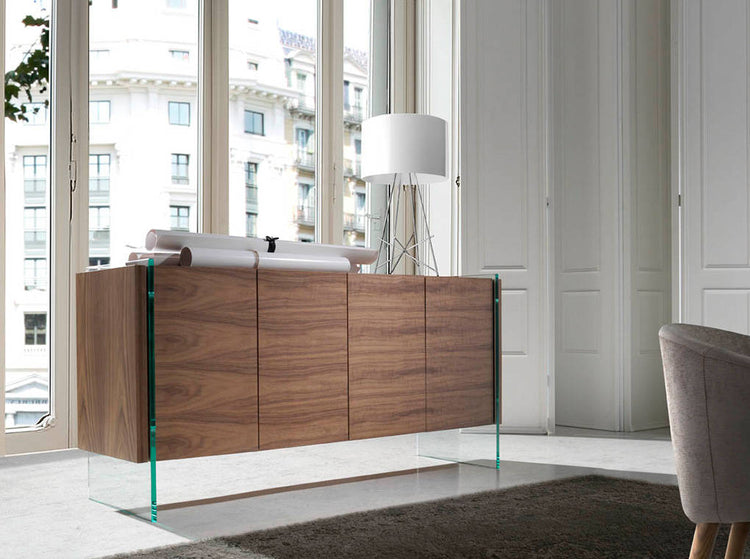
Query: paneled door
pixel 503 189
pixel 713 113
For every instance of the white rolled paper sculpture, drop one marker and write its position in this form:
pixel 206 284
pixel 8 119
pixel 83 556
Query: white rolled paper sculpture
pixel 162 240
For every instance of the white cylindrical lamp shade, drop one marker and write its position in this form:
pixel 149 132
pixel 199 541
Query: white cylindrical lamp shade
pixel 399 144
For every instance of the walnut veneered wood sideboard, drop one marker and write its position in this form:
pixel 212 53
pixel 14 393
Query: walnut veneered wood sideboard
pixel 258 359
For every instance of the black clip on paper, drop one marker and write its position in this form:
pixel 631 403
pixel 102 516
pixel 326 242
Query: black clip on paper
pixel 271 243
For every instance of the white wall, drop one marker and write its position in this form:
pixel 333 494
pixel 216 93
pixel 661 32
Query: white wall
pixel 712 139
pixel 503 187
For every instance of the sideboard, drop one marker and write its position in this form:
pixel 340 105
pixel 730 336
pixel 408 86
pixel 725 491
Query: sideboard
pixel 249 360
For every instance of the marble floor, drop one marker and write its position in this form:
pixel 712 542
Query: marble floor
pixel 45 510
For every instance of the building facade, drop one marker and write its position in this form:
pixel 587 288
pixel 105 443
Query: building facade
pixel 143 159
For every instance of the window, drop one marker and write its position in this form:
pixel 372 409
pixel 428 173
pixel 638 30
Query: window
pixel 35 325
pixel 358 98
pixel 346 95
pixel 179 113
pixel 251 187
pixel 34 177
pixel 305 148
pixel 177 4
pixel 99 218
pixel 182 55
pixel 251 224
pixel 179 218
pixel 99 112
pixel 98 260
pixel 252 65
pixel 301 81
pixel 306 204
pixel 180 163
pixel 99 170
pixel 254 123
pixel 36 114
pixel 35 230
pixel 35 273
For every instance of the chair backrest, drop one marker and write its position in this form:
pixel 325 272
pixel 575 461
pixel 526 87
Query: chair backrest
pixel 707 374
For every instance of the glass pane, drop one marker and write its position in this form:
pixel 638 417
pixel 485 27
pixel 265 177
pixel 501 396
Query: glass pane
pixel 356 92
pixel 272 68
pixel 142 125
pixel 27 214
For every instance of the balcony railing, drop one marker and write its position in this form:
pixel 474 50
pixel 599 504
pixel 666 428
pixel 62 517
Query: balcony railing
pixel 305 214
pixel 306 159
pixel 353 113
pixel 354 222
pixel 99 239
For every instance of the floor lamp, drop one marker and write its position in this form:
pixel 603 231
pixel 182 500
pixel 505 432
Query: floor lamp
pixel 405 151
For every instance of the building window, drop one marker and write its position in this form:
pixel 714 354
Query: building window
pixel 179 218
pixel 251 187
pixel 35 230
pixel 254 123
pixel 358 99
pixel 99 112
pixel 305 147
pixel 34 273
pixel 346 95
pixel 181 55
pixel 251 224
pixel 305 204
pixel 252 65
pixel 179 113
pixel 99 260
pixel 301 81
pixel 35 325
pixel 177 4
pixel 252 21
pixel 98 218
pixel 98 54
pixel 99 167
pixel 34 177
pixel 180 162
pixel 36 114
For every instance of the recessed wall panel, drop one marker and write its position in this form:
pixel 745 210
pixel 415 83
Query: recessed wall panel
pixel 650 319
pixel 502 228
pixel 724 44
pixel 579 147
pixel 726 309
pixel 581 320
pixel 515 322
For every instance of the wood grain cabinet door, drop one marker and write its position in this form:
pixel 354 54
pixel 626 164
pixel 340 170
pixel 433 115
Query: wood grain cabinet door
pixel 386 355
pixel 302 358
pixel 460 383
pixel 206 361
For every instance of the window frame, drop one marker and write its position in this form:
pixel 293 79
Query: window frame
pixel 179 106
pixel 69 173
pixel 255 114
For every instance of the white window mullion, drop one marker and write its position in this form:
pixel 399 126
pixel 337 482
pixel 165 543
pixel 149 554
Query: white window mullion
pixel 329 227
pixel 54 434
pixel 3 236
pixel 79 223
pixel 213 80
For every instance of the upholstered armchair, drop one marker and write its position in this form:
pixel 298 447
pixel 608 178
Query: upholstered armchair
pixel 707 373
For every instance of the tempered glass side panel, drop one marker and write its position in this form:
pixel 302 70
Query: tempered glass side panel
pixel 473 445
pixel 476 445
pixel 122 485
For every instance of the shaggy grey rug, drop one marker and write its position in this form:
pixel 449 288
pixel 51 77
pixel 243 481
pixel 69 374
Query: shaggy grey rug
pixel 586 517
